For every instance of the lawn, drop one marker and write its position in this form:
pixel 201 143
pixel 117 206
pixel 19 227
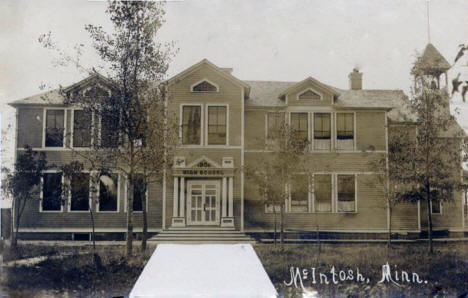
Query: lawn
pixel 446 271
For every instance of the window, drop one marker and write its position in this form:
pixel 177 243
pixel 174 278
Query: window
pixel 81 128
pixel 345 131
pixel 346 193
pixel 51 192
pixel 275 120
pixel 300 124
pixel 79 192
pixel 322 131
pixel 299 194
pixel 191 125
pixel 217 125
pixel 204 86
pixel 110 129
pixel 323 192
pixel 55 128
pixel 108 192
pixel 309 94
pixel 139 193
pixel 436 207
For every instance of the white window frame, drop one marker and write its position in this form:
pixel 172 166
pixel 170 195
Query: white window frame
pixel 332 192
pixel 355 193
pixel 312 130
pixel 266 120
pixel 41 193
pixel 308 122
pixel 72 129
pixel 202 124
pixel 336 131
pixel 89 195
pixel 98 187
pixel 201 81
pixel 207 123
pixel 44 127
pixel 309 89
pixel 126 197
pixel 309 197
pixel 440 207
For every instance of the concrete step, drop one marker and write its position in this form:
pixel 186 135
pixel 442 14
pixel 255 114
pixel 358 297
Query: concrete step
pixel 197 236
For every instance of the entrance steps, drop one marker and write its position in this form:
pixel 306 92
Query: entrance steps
pixel 201 236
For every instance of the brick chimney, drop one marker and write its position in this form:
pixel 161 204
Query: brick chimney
pixel 355 80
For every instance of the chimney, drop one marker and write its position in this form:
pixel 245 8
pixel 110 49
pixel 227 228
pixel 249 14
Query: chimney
pixel 355 80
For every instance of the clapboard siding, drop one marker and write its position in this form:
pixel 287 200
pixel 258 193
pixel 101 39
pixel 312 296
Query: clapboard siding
pixel 30 127
pixel 370 130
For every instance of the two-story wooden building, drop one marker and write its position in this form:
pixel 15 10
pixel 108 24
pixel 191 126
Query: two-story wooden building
pixel 225 124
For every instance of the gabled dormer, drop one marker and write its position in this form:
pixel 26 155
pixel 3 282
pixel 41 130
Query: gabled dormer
pixel 309 92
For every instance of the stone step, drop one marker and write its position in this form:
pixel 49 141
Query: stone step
pixel 197 236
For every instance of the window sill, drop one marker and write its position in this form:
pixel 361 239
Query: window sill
pixel 50 211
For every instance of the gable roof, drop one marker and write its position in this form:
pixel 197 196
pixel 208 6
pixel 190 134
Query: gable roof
pixel 432 59
pixel 222 71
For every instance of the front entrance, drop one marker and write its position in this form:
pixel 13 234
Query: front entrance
pixel 203 202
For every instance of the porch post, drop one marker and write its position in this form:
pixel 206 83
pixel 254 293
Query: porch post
pixel 182 197
pixel 231 194
pixel 224 203
pixel 175 212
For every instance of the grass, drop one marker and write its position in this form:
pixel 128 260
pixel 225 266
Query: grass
pixel 446 271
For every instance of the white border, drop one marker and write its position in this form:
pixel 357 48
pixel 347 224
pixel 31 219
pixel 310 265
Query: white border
pixel 336 132
pixel 202 126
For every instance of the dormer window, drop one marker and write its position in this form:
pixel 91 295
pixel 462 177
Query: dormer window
pixel 204 86
pixel 309 94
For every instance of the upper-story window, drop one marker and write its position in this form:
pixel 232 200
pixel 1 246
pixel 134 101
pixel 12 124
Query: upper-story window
pixel 109 128
pixel 300 124
pixel 191 125
pixel 204 86
pixel 217 125
pixel 345 131
pixel 310 95
pixel 322 131
pixel 81 128
pixel 54 128
pixel 275 120
pixel 51 195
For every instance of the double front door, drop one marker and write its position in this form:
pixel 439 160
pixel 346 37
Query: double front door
pixel 203 202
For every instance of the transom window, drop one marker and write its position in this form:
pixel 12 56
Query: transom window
pixel 275 120
pixel 55 128
pixel 51 192
pixel 346 193
pixel 204 86
pixel 79 192
pixel 81 128
pixel 309 94
pixel 108 192
pixel 191 125
pixel 345 131
pixel 300 124
pixel 322 131
pixel 217 125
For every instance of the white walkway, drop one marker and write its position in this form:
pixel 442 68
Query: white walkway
pixel 206 270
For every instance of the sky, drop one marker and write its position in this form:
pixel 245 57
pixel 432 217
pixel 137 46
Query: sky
pixel 259 39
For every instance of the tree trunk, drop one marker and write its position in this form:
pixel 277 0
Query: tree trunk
pixel 429 220
pixel 145 224
pixel 129 245
pixel 282 226
pixel 389 240
pixel 13 231
pixel 274 232
pixel 96 258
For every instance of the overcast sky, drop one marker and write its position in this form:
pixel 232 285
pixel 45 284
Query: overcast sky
pixel 260 39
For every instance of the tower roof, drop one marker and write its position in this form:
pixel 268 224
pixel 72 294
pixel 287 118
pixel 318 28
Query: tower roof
pixel 432 60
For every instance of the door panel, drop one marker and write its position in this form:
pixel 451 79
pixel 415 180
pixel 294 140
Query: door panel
pixel 203 203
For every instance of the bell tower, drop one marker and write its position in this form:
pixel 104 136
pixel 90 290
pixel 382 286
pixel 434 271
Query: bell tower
pixel 431 69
